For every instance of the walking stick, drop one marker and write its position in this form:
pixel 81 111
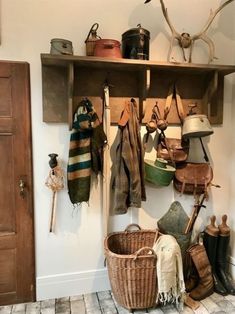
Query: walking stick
pixel 106 160
pixel 196 209
pixel 53 210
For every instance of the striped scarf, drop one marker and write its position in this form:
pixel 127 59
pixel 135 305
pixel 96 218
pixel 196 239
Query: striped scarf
pixel 80 161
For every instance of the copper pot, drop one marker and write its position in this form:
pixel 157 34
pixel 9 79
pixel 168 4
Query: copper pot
pixel 109 48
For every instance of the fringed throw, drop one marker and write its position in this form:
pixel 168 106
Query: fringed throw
pixel 84 132
pixel 170 278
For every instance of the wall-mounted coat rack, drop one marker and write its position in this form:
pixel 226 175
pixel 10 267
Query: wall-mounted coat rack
pixel 67 79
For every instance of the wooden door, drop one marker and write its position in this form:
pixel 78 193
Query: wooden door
pixel 17 276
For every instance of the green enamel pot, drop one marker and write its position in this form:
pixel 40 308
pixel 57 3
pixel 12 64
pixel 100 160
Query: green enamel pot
pixel 158 172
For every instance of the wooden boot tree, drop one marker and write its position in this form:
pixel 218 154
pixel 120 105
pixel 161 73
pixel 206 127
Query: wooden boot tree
pixel 224 229
pixel 211 229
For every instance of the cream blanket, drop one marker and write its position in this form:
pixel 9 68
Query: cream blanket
pixel 170 277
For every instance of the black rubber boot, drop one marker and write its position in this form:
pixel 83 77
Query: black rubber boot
pixel 222 266
pixel 210 243
pixel 221 260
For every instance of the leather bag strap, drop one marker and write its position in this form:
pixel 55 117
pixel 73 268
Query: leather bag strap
pixel 204 150
pixel 173 91
pixel 168 101
pixel 179 105
pixel 170 152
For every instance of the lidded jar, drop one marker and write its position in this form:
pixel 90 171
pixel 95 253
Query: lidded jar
pixel 135 43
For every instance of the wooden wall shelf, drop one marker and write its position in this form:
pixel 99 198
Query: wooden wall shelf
pixel 67 79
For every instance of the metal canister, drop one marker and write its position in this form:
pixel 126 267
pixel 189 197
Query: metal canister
pixel 196 125
pixel 135 43
pixel 61 46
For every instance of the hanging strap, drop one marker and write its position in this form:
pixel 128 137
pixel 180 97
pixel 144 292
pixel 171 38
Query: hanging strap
pixel 204 150
pixel 162 136
pixel 173 91
pixel 179 105
pixel 168 101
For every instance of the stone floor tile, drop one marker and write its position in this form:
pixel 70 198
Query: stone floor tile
pixel 78 306
pixel 105 303
pixel 18 308
pixel 210 305
pixel 33 308
pixel 5 309
pixel 47 303
pixel 76 297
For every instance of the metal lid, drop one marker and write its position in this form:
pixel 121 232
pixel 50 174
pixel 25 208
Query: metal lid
pixel 61 40
pixel 193 116
pixel 136 31
pixel 111 42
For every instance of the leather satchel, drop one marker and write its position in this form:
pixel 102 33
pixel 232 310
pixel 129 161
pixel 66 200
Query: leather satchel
pixel 193 178
pixel 177 148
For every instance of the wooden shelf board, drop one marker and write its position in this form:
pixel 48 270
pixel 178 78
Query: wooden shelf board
pixel 135 65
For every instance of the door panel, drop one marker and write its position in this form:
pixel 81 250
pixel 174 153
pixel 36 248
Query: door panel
pixel 17 270
pixel 8 278
pixel 7 217
pixel 5 96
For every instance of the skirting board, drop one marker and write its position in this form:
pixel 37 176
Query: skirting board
pixel 232 266
pixel 71 284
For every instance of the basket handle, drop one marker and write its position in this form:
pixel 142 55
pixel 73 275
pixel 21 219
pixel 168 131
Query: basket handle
pixel 93 29
pixel 145 248
pixel 132 225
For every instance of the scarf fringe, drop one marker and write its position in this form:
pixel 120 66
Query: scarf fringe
pixel 77 206
pixel 168 297
pixel 173 296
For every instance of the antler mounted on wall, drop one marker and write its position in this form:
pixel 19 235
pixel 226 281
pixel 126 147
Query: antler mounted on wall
pixel 185 40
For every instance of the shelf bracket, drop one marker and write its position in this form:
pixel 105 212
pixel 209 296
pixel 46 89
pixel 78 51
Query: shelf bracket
pixel 209 101
pixel 70 94
pixel 144 86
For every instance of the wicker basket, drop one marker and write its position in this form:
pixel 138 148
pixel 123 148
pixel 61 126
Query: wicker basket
pixel 131 269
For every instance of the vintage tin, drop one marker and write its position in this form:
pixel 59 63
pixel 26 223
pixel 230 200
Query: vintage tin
pixel 135 43
pixel 61 46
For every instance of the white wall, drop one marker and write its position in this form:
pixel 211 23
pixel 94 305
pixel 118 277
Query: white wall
pixel 71 260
